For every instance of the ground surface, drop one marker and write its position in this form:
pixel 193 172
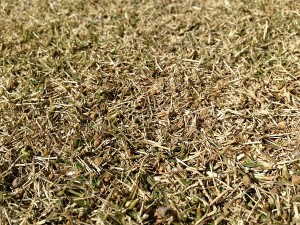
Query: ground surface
pixel 149 112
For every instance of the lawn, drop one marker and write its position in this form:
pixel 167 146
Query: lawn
pixel 149 112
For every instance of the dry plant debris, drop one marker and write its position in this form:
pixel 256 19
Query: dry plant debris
pixel 165 215
pixel 110 109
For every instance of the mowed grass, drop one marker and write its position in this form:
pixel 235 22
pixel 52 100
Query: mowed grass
pixel 149 112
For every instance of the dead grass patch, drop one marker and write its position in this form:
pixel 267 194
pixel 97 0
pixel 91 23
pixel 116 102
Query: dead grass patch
pixel 149 112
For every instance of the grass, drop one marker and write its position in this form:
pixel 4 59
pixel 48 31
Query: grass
pixel 149 112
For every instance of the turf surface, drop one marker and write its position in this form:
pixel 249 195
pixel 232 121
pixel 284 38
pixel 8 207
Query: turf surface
pixel 149 112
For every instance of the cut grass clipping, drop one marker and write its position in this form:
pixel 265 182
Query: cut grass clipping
pixel 149 112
